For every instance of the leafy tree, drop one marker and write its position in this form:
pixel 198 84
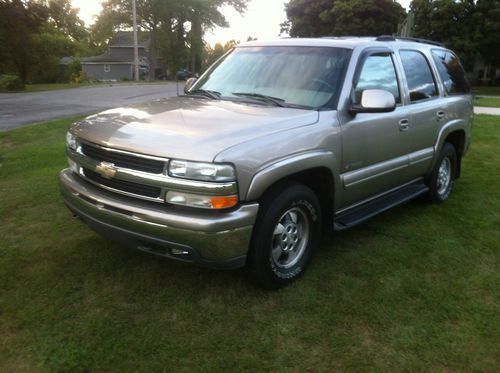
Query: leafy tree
pixel 450 22
pixel 487 18
pixel 308 18
pixel 304 18
pixel 19 21
pixel 65 19
pixel 213 54
pixel 175 26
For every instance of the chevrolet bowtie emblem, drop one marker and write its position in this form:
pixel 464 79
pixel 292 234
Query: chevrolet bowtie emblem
pixel 106 170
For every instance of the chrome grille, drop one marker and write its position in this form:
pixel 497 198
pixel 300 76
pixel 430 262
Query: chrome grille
pixel 125 186
pixel 132 179
pixel 124 160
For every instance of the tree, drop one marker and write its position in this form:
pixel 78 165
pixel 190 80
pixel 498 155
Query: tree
pixel 309 18
pixel 19 21
pixel 65 19
pixel 304 18
pixel 213 54
pixel 175 27
pixel 470 28
pixel 487 18
pixel 34 37
pixel 450 22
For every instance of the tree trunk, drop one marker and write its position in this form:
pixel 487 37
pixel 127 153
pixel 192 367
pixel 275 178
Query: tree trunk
pixel 153 53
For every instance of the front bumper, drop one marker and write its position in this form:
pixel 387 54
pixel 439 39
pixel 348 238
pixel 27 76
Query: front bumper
pixel 210 239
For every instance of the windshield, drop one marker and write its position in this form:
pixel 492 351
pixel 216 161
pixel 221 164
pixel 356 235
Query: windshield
pixel 286 76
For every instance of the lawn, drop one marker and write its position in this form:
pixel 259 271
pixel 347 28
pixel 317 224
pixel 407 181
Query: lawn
pixel 487 101
pixel 487 90
pixel 57 86
pixel 414 289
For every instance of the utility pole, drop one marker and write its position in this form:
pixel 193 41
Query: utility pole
pixel 136 48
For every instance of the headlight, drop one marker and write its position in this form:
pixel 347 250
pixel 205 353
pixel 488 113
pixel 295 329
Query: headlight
pixel 201 171
pixel 71 141
pixel 201 201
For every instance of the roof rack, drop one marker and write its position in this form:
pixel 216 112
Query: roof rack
pixel 417 40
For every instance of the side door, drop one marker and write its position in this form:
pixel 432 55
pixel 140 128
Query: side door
pixel 374 155
pixel 427 110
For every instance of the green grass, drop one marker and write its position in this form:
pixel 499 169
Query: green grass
pixel 487 101
pixel 54 86
pixel 58 86
pixel 487 91
pixel 414 289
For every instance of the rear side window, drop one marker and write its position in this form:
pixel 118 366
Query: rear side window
pixel 421 83
pixel 378 72
pixel 451 72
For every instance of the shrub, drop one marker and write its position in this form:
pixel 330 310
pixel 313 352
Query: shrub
pixel 11 83
pixel 79 77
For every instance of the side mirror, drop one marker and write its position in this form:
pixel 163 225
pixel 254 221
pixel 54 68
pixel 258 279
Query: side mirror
pixel 189 83
pixel 375 101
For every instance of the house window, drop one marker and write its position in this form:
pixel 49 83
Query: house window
pixel 107 68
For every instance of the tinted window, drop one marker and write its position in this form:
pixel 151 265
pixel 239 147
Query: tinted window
pixel 305 76
pixel 378 73
pixel 418 73
pixel 451 72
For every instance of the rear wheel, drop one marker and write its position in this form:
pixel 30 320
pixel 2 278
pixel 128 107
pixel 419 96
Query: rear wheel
pixel 285 235
pixel 442 179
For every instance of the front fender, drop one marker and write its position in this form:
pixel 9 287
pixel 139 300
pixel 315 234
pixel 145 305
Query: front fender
pixel 282 168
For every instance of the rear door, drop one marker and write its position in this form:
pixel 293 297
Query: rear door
pixel 427 110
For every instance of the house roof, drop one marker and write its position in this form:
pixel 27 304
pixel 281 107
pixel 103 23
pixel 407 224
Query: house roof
pixel 66 60
pixel 104 58
pixel 126 39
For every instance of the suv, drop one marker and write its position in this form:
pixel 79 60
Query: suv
pixel 274 144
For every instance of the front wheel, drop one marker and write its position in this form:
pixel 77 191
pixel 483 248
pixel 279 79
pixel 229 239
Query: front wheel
pixel 442 179
pixel 285 235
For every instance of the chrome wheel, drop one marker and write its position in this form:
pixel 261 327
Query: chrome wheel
pixel 444 176
pixel 290 238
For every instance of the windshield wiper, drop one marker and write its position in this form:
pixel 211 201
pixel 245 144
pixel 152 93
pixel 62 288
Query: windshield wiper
pixel 205 92
pixel 273 100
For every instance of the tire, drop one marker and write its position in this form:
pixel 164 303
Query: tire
pixel 442 178
pixel 286 233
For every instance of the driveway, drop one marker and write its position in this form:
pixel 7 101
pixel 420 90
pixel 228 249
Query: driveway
pixel 18 109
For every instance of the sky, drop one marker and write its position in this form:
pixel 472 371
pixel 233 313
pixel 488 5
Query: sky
pixel 261 20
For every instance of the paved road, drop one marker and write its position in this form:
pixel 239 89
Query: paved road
pixel 486 110
pixel 18 109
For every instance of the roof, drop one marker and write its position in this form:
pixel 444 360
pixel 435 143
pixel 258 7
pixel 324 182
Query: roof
pixel 348 42
pixel 66 60
pixel 104 58
pixel 126 39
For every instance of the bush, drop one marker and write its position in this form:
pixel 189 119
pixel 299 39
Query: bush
pixel 79 77
pixel 11 83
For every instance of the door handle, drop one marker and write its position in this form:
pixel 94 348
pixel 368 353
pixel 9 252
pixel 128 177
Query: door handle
pixel 440 114
pixel 404 124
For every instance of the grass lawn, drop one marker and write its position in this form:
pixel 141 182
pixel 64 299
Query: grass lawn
pixel 487 101
pixel 415 289
pixel 57 86
pixel 487 91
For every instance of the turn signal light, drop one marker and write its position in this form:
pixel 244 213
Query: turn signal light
pixel 224 202
pixel 201 201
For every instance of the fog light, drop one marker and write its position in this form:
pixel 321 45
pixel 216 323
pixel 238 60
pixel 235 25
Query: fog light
pixel 201 201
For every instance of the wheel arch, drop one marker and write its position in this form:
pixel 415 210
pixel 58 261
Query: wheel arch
pixel 314 170
pixel 456 134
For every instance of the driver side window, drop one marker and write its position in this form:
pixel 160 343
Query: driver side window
pixel 378 72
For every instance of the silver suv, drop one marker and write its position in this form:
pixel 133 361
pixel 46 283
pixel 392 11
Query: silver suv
pixel 274 144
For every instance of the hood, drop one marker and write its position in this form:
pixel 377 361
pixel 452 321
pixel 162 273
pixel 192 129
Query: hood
pixel 187 128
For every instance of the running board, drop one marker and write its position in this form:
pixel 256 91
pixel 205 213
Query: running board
pixel 360 213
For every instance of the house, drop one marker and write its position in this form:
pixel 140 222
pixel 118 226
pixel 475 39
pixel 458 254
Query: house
pixel 118 62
